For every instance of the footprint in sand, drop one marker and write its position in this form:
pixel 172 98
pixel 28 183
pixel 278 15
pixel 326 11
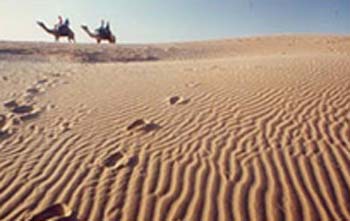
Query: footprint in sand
pixel 3 120
pixel 130 162
pixel 37 87
pixel 176 100
pixel 118 161
pixel 33 91
pixel 42 81
pixel 25 112
pixel 150 127
pixel 6 126
pixel 65 126
pixel 55 212
pixel 4 134
pixel 22 109
pixel 15 108
pixel 10 104
pixel 142 125
pixel 112 159
pixel 30 116
pixel 135 124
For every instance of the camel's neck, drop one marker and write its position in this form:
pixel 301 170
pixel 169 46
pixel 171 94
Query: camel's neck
pixel 50 31
pixel 92 35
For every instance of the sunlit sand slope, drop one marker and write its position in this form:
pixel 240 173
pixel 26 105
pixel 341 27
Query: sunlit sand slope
pixel 246 129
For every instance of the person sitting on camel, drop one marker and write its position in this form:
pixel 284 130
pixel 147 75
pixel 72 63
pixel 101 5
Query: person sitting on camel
pixel 59 24
pixel 107 29
pixel 66 23
pixel 101 28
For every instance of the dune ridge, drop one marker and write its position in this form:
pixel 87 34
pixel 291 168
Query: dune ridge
pixel 243 129
pixel 240 47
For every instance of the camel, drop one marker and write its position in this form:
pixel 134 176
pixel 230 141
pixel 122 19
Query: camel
pixel 63 31
pixel 99 37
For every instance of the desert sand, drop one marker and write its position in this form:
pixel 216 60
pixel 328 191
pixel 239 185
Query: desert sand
pixel 246 129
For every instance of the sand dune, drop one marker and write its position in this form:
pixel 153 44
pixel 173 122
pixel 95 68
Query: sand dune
pixel 242 129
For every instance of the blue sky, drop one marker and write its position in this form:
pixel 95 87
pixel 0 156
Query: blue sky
pixel 141 21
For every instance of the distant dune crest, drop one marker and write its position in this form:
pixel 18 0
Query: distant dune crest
pixel 257 46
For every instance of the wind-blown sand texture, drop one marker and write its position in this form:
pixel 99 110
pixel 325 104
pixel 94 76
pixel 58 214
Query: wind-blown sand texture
pixel 246 129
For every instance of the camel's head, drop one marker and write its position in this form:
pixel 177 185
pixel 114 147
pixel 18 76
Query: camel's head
pixel 40 23
pixel 84 27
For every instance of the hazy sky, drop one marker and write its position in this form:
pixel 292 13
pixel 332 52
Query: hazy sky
pixel 176 20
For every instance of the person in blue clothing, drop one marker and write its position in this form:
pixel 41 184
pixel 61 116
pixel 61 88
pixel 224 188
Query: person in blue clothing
pixel 108 29
pixel 101 28
pixel 66 23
